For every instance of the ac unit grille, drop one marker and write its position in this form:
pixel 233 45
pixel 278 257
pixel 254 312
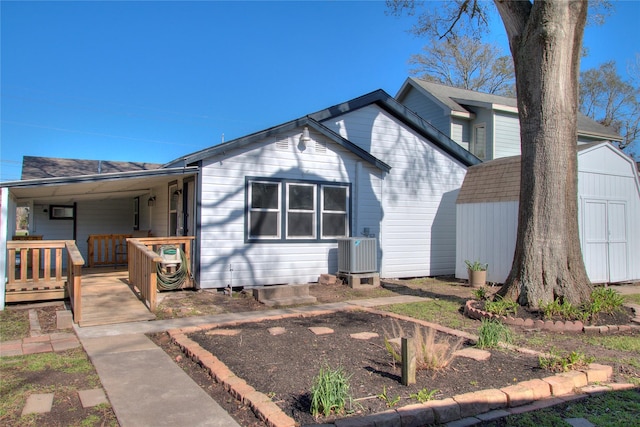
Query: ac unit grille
pixel 357 255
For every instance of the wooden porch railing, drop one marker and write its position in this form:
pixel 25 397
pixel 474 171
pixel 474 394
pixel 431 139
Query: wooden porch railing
pixel 74 279
pixel 143 263
pixel 34 271
pixel 107 249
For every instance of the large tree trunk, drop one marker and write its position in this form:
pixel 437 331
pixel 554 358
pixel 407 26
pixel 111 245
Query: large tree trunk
pixel 546 39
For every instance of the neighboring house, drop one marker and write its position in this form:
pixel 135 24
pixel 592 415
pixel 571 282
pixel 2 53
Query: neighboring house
pixel 608 212
pixel 267 208
pixel 486 125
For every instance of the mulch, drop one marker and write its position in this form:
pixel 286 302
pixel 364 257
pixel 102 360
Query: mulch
pixel 284 366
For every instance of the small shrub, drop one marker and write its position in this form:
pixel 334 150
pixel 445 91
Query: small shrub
pixel 501 306
pixel 556 362
pixel 424 395
pixel 492 333
pixel 330 391
pixel 429 354
pixel 480 294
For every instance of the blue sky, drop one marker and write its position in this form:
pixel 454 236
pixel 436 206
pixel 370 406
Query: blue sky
pixel 151 81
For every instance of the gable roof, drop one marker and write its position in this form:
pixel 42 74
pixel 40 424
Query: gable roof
pixel 456 100
pixel 499 180
pixel 50 167
pixel 315 120
pixel 402 113
pixel 244 141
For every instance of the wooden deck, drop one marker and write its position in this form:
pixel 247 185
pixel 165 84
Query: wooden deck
pixel 107 298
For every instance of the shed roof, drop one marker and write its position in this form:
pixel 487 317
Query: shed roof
pixel 457 100
pixel 497 180
pixel 50 167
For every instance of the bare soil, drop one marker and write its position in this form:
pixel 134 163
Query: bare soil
pixel 284 366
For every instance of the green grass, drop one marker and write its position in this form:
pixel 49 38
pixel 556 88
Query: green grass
pixel 72 361
pixel 440 311
pixel 614 409
pixel 613 342
pixel 633 298
pixel 14 324
pixel 330 391
pixel 15 386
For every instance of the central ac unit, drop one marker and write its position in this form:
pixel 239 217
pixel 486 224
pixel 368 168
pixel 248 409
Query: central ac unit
pixel 357 255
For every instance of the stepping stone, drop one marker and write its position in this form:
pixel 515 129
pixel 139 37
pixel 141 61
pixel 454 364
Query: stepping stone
pixel 579 422
pixel 278 330
pixel 473 353
pixel 38 404
pixel 34 323
pixel 321 330
pixel 64 319
pixel 94 397
pixel 364 335
pixel 224 332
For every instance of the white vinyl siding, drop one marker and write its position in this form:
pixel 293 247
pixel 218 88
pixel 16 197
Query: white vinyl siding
pixel 507 135
pixel 486 232
pixel 226 258
pixel 608 209
pixel 460 132
pixel 429 111
pixel 418 227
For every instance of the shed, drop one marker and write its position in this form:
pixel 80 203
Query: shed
pixel 608 209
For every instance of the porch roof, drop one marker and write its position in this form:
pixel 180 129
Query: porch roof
pixel 86 187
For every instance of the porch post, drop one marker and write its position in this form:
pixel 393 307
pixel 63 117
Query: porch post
pixel 4 226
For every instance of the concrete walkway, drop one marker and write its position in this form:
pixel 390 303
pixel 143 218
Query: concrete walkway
pixel 146 388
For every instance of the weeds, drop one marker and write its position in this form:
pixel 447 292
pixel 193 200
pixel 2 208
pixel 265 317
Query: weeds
pixel 492 333
pixel 424 395
pixel 330 391
pixel 429 354
pixel 480 294
pixel 556 362
pixel 388 400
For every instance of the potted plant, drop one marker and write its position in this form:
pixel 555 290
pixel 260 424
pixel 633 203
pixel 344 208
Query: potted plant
pixel 477 273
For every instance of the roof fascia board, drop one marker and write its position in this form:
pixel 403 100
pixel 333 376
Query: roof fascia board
pixel 415 122
pixel 274 131
pixel 100 177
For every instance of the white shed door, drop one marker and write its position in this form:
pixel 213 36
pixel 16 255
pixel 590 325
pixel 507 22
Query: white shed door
pixel 605 240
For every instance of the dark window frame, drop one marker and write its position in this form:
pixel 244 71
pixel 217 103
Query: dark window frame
pixel 283 186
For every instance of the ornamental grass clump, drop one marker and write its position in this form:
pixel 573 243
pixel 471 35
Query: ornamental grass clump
pixel 492 333
pixel 330 391
pixel 430 353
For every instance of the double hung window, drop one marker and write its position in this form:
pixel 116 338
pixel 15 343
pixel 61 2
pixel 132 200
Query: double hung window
pixel 294 211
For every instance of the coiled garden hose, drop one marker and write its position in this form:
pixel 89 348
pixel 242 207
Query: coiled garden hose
pixel 170 281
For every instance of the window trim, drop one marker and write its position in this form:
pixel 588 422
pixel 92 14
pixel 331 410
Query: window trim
pixel 249 209
pixel 474 140
pixel 283 185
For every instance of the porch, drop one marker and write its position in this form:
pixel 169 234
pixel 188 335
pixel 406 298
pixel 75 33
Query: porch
pixel 97 295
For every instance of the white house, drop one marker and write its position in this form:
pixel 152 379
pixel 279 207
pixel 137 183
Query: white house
pixel 608 205
pixel 487 125
pixel 273 203
pixel 267 208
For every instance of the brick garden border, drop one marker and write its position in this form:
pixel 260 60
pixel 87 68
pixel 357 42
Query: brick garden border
pixel 555 326
pixel 480 405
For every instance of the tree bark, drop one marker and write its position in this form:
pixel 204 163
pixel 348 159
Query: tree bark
pixel 545 39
